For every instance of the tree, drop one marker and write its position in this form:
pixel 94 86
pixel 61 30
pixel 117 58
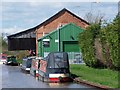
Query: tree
pixel 100 45
pixel 87 44
pixel 94 19
pixel 110 41
pixel 3 45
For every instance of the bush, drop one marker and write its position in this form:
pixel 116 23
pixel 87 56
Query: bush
pixel 109 39
pixel 99 46
pixel 20 55
pixel 86 42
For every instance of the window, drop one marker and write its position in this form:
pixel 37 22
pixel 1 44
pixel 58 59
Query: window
pixel 46 42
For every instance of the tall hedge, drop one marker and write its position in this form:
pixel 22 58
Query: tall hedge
pixel 86 41
pixel 110 41
pixel 106 37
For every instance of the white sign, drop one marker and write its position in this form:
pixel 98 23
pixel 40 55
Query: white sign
pixel 56 40
pixel 46 39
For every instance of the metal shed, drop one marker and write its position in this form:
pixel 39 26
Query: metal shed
pixel 64 39
pixel 25 40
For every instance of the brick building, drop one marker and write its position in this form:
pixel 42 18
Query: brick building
pixel 32 35
pixel 62 17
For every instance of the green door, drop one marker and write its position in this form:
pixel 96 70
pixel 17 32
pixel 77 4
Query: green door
pixel 71 46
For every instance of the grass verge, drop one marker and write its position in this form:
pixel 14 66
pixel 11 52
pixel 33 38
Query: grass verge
pixel 99 76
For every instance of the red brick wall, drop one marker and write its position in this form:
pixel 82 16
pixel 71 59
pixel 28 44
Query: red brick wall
pixel 63 19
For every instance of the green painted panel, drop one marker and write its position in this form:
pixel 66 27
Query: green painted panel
pixel 53 45
pixel 71 46
pixel 38 48
pixel 68 37
pixel 70 33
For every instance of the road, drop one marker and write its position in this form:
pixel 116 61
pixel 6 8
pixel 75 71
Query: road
pixel 12 77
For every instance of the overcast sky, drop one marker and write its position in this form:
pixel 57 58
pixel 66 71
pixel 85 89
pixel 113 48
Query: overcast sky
pixel 19 16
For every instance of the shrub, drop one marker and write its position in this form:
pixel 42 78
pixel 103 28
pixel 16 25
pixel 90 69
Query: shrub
pixel 109 38
pixel 86 42
pixel 99 46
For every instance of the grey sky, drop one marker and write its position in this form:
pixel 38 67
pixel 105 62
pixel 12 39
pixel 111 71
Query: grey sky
pixel 19 16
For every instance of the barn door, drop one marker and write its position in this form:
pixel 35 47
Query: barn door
pixel 73 50
pixel 70 46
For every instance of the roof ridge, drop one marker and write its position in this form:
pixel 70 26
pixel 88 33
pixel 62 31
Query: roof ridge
pixel 60 12
pixel 49 20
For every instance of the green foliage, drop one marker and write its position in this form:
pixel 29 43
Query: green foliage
pixel 3 45
pixel 108 39
pixel 86 40
pixel 19 54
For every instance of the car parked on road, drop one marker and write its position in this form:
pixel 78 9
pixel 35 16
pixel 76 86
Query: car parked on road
pixel 3 58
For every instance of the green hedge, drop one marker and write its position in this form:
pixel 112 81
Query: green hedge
pixel 109 39
pixel 106 37
pixel 86 41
